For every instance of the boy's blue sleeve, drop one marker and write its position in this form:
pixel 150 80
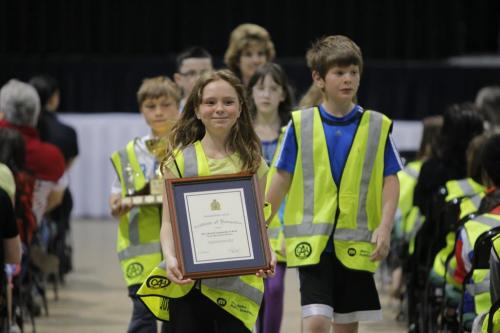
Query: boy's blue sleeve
pixel 287 154
pixel 392 161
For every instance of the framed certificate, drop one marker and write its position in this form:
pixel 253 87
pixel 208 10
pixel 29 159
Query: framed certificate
pixel 218 225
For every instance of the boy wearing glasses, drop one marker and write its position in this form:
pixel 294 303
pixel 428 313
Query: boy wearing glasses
pixel 191 63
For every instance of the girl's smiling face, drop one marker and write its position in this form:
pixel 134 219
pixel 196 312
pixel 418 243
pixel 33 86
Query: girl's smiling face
pixel 220 107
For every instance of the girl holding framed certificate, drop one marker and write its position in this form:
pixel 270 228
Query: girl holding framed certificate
pixel 213 137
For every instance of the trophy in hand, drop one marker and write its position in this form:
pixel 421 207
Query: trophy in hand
pixel 151 194
pixel 157 147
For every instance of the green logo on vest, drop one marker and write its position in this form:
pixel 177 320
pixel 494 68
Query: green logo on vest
pixel 157 282
pixel 134 269
pixel 303 250
pixel 221 301
pixel 351 252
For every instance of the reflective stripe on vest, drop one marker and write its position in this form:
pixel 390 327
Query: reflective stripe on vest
pixel 462 188
pixel 480 287
pixel 235 285
pixel 470 205
pixel 190 162
pixel 139 250
pixel 275 226
pixel 133 221
pixel 476 200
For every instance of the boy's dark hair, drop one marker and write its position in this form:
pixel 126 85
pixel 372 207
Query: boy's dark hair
pixel 192 52
pixel 331 51
pixel 45 86
pixel 461 123
pixel 279 76
pixel 490 159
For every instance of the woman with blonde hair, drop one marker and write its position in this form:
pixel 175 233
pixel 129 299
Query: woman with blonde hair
pixel 250 46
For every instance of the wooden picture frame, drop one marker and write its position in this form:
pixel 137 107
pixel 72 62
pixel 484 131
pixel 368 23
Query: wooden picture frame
pixel 218 225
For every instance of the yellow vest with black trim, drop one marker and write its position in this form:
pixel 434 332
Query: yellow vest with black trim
pixel 315 206
pixel 411 219
pixel 495 323
pixel 496 315
pixel 275 228
pixel 479 286
pixel 470 194
pixel 138 240
pixel 241 296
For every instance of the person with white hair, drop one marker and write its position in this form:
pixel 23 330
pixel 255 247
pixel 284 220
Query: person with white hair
pixel 488 103
pixel 19 110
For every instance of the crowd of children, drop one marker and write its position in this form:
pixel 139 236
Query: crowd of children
pixel 329 170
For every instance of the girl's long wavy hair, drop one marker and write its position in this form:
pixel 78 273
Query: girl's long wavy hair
pixel 188 129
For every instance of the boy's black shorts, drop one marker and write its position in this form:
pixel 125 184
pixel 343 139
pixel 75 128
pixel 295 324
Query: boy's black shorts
pixel 332 290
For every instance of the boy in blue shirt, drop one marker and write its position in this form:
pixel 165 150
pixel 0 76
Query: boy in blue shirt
pixel 338 165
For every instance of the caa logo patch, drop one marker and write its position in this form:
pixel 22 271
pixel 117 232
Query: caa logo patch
pixel 157 282
pixel 134 269
pixel 303 250
pixel 351 252
pixel 221 301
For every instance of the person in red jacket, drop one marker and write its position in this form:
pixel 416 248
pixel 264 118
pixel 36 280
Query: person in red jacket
pixel 19 109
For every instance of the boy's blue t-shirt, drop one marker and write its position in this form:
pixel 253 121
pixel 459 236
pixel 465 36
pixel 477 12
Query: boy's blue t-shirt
pixel 339 134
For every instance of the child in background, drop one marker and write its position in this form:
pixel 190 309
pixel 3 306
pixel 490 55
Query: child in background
pixel 271 102
pixel 138 243
pixel 191 64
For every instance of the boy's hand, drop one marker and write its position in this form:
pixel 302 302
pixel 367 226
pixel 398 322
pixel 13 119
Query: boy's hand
pixel 174 273
pixel 382 238
pixel 118 208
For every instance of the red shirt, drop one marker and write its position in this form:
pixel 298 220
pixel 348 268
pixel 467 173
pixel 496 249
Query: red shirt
pixel 43 159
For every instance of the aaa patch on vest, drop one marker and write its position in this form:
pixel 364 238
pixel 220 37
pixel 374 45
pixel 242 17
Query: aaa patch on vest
pixel 134 269
pixel 351 251
pixel 303 250
pixel 221 301
pixel 157 282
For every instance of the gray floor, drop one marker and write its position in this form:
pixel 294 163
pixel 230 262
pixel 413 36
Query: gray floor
pixel 94 297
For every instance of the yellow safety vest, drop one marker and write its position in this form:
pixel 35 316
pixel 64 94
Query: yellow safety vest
pixel 241 296
pixel 411 219
pixel 275 229
pixel 479 286
pixel 495 323
pixel 470 195
pixel 138 239
pixel 315 206
pixel 496 315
